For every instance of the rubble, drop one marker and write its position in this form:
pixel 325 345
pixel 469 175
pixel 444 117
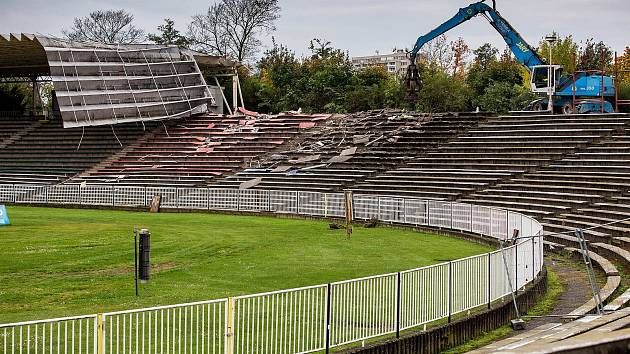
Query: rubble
pixel 340 138
pixel 251 183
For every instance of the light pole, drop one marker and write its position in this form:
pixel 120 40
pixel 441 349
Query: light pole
pixel 550 79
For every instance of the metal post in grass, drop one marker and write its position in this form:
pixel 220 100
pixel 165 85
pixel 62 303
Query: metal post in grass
pixel 135 256
pixel 348 197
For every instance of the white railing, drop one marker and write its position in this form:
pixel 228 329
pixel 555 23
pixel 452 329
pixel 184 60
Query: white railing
pixel 193 327
pixel 296 320
pixel 61 335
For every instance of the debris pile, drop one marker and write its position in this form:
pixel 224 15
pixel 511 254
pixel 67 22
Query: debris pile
pixel 340 139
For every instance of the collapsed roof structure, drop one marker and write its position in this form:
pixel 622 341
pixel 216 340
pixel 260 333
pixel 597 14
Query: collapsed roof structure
pixel 98 84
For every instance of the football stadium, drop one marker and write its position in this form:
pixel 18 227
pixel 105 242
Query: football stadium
pixel 158 197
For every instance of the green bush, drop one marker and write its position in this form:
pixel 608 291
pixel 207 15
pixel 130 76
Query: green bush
pixel 441 92
pixel 502 97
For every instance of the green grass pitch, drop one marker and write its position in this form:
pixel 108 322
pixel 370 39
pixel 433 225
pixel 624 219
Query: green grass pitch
pixel 63 262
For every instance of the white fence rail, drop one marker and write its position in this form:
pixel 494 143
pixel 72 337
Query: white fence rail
pixel 296 320
pixel 62 335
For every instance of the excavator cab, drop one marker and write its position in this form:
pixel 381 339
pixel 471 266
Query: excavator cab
pixel 545 78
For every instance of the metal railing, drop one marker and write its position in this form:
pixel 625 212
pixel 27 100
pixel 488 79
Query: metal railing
pixel 300 320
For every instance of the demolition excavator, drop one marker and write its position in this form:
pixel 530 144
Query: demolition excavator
pixel 582 92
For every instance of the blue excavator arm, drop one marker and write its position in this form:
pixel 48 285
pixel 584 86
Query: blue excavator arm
pixel 523 52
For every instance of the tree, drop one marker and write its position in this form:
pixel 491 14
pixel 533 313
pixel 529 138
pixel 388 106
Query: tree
pixel 279 70
pixel 487 70
pixel 231 27
pixel 437 53
pixel 594 56
pixel 441 92
pixel 502 97
pixel 328 75
pixel 105 26
pixel 623 65
pixel 485 54
pixel 563 52
pixel 461 51
pixel 169 35
pixel 15 97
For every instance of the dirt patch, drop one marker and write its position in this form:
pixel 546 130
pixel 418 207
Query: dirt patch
pixel 126 270
pixel 117 271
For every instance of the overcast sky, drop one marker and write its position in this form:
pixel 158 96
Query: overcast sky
pixel 360 26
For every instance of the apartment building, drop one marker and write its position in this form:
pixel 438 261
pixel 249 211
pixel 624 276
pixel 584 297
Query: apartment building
pixel 395 62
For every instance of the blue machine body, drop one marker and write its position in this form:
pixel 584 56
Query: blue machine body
pixel 587 86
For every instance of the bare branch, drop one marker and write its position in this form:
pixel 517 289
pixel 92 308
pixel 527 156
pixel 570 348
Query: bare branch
pixel 105 26
pixel 232 27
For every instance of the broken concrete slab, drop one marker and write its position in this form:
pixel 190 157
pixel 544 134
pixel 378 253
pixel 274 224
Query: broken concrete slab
pixel 340 159
pixel 360 139
pixel 251 183
pixel 305 159
pixel 349 151
pixel 281 168
pixel 312 167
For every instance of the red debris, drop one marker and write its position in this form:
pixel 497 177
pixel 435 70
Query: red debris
pixel 306 125
pixel 246 122
pixel 248 113
pixel 205 149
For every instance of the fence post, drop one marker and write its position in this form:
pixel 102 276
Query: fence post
pixel 489 282
pixel 533 257
pixel 516 268
pixel 404 200
pixel 100 334
pixel 238 200
pixel 451 215
pixel 450 290
pixel 268 201
pixel 398 305
pixel 229 327
pixel 491 224
pixel 327 333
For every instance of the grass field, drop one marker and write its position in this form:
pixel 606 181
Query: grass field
pixel 61 262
